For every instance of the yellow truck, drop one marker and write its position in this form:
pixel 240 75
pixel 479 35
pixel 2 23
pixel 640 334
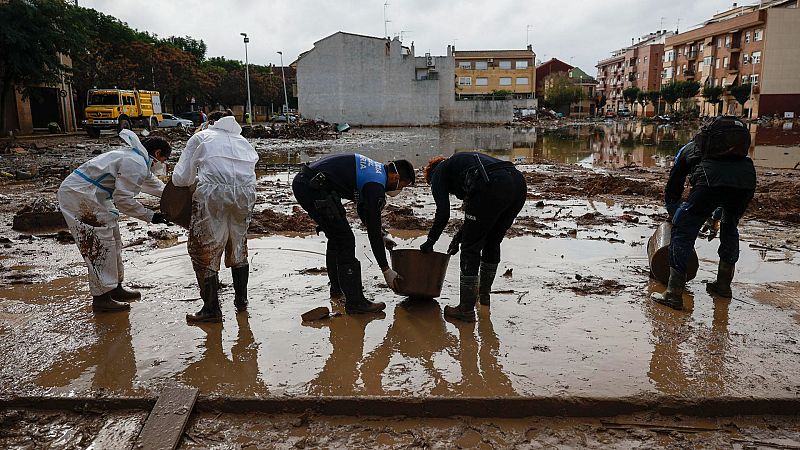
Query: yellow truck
pixel 118 109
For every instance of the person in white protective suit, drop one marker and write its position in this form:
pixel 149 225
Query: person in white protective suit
pixel 221 163
pixel 91 199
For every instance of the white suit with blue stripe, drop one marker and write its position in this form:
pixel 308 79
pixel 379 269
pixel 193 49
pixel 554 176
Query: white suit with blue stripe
pixel 91 199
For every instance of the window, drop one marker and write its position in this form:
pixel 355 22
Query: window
pixel 680 52
pixel 754 79
pixel 719 43
pixel 505 64
pixel 745 79
pixel 727 41
pixel 708 60
pixel 758 35
pixel 747 37
pixel 700 66
pixel 756 57
pixel 522 80
pixel 481 65
pixel 465 65
pixel 702 46
pixel 638 60
pixel 667 72
pixel 481 81
pixel 725 62
pixel 716 63
pixel 645 59
pixel 505 81
pixel 522 64
pixel 746 58
pixel 465 81
pixel 128 100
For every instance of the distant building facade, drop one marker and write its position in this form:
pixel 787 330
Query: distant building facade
pixel 482 72
pixel 546 69
pixel 757 45
pixel 372 81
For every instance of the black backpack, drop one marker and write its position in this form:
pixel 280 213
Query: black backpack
pixel 725 137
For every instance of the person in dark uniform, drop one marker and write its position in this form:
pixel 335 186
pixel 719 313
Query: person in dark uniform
pixel 494 192
pixel 727 181
pixel 319 188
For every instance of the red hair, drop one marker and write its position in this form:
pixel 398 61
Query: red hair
pixel 428 170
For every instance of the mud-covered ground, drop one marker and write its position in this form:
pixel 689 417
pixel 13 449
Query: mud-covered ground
pixel 94 429
pixel 570 315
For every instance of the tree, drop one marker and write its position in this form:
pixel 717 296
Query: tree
pixel 33 36
pixel 669 93
pixel 642 98
pixel 654 97
pixel 741 93
pixel 561 91
pixel 193 46
pixel 629 95
pixel 713 95
pixel 687 89
pixel 600 100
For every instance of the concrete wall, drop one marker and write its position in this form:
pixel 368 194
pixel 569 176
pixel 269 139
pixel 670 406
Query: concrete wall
pixel 363 80
pixel 781 58
pixel 478 111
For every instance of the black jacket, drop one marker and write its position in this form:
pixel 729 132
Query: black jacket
pixel 733 173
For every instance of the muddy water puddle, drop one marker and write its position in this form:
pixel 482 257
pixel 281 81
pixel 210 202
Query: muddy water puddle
pixel 543 335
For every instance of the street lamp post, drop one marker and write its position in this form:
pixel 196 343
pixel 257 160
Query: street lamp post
pixel 752 72
pixel 247 78
pixel 285 95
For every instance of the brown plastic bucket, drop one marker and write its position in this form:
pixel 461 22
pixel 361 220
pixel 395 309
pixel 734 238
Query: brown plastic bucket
pixel 176 204
pixel 422 273
pixel 658 255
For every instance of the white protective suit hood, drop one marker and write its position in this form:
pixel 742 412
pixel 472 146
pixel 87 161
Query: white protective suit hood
pixel 227 123
pixel 132 139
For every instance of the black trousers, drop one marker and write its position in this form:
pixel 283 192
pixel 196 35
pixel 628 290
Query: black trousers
pixel 327 211
pixel 489 213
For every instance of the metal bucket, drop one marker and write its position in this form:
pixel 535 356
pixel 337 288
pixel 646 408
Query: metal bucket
pixel 658 255
pixel 422 273
pixel 176 204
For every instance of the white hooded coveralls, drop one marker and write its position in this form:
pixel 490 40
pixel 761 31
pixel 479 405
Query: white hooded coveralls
pixel 223 164
pixel 91 199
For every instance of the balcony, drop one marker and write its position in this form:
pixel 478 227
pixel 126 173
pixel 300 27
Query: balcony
pixel 734 46
pixel 691 56
pixel 732 68
pixel 689 74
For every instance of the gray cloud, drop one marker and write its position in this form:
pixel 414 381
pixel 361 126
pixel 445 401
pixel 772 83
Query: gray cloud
pixel 584 30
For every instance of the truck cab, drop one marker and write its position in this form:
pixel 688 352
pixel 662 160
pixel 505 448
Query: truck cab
pixel 118 109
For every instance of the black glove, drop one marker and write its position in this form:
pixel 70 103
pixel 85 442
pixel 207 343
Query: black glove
pixel 160 218
pixel 427 247
pixel 454 247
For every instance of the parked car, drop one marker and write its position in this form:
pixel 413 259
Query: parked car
pixel 609 114
pixel 624 112
pixel 282 118
pixel 170 121
pixel 195 116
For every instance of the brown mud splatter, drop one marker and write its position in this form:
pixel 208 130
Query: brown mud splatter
pixel 269 221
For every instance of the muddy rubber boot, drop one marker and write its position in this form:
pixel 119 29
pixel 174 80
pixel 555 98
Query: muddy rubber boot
pixel 722 287
pixel 120 293
pixel 240 276
pixel 350 281
pixel 673 296
pixel 486 278
pixel 210 312
pixel 104 303
pixel 466 307
pixel 333 278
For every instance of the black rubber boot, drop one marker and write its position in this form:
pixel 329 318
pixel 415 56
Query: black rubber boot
pixel 673 296
pixel 104 303
pixel 722 287
pixel 333 277
pixel 240 276
pixel 466 307
pixel 486 278
pixel 350 281
pixel 210 312
pixel 120 293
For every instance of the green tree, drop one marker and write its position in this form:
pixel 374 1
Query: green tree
pixel 670 95
pixel 654 97
pixel 629 95
pixel 34 34
pixel 561 92
pixel 741 93
pixel 687 89
pixel 642 98
pixel 713 95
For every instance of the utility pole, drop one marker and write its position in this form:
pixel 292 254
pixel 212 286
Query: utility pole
pixel 285 95
pixel 752 72
pixel 247 78
pixel 386 19
pixel 528 29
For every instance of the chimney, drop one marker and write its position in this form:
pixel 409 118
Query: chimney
pixel 530 47
pixel 734 4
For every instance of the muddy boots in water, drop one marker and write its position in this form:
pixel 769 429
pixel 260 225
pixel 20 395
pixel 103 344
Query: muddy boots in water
pixel 120 293
pixel 722 287
pixel 673 296
pixel 333 278
pixel 466 307
pixel 486 278
pixel 240 276
pixel 350 282
pixel 210 312
pixel 104 303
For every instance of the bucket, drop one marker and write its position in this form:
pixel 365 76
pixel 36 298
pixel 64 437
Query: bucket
pixel 176 204
pixel 422 273
pixel 658 255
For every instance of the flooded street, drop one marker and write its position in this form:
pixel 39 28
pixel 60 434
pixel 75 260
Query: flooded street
pixel 570 316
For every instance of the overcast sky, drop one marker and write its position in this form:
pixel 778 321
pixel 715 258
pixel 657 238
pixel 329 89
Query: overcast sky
pixel 586 30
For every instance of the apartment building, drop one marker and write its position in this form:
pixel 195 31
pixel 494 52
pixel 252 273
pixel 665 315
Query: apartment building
pixel 482 72
pixel 588 105
pixel 755 45
pixel 639 65
pixel 546 69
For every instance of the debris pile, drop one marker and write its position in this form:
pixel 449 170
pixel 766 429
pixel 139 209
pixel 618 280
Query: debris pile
pixel 403 218
pixel 305 129
pixel 269 221
pixel 39 215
